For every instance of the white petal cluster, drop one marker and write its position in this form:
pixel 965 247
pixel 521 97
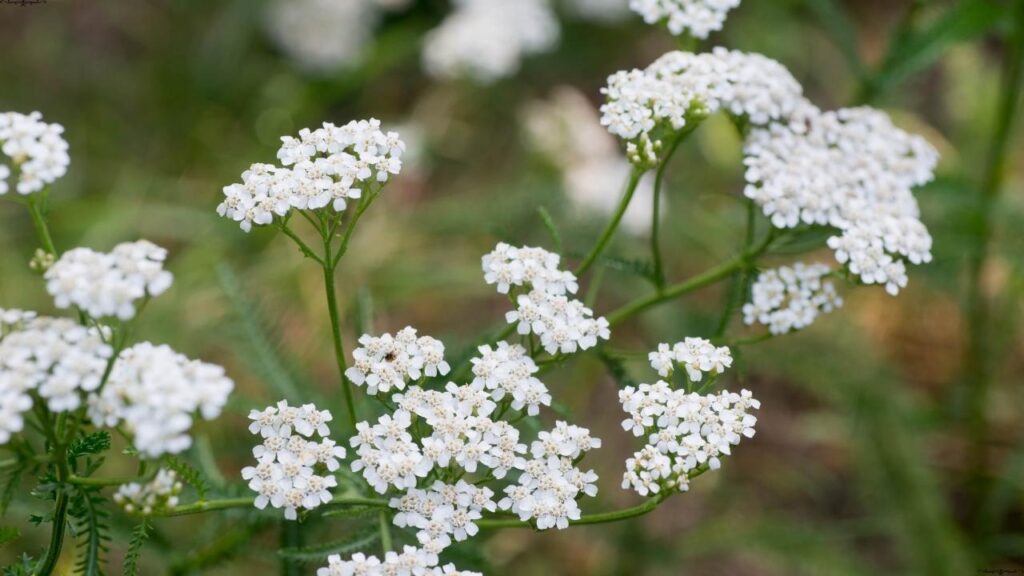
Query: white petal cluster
pixel 322 35
pixel 160 493
pixel 697 356
pixel 485 40
pixel 109 284
pixel 36 150
pixel 508 266
pixel 322 168
pixel 684 430
pixel 681 88
pixel 388 362
pixel 154 392
pixel 296 459
pixel 853 170
pixel 443 512
pixel 550 485
pixel 566 130
pixel 697 18
pixel 56 359
pixel 411 561
pixel 508 371
pixel 790 298
pixel 12 319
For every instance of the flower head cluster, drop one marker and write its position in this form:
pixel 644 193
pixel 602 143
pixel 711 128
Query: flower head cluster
pixel 564 325
pixel 485 40
pixel 853 170
pixel 109 284
pixel 681 88
pixel 790 298
pixel 55 358
pixel 324 167
pixel 160 493
pixel 550 485
pixel 154 392
pixel 443 512
pixel 508 371
pixel 411 561
pixel 566 130
pixel 697 356
pixel 12 319
pixel 698 18
pixel 388 362
pixel 292 471
pixel 322 35
pixel 36 149
pixel 686 433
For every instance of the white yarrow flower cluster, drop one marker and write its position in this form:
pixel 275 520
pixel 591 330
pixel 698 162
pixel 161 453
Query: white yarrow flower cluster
pixel 853 170
pixel 697 18
pixel 697 356
pixel 646 106
pixel 35 149
pixel 486 40
pixel 791 298
pixel 686 433
pixel 56 359
pixel 12 319
pixel 443 512
pixel 160 493
pixel 109 284
pixel 507 371
pixel 323 168
pixel 563 325
pixel 388 362
pixel 411 561
pixel 322 35
pixel 154 392
pixel 550 485
pixel 293 470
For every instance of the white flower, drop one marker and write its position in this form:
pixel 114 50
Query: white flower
pixel 285 475
pixel 507 266
pixel 790 298
pixel 563 325
pixel 508 371
pixel 411 561
pixel 109 284
pixel 697 356
pixel 485 40
pixel 55 358
pixel 154 392
pixel 160 493
pixel 851 170
pixel 36 149
pixel 386 363
pixel 12 319
pixel 322 35
pixel 323 170
pixel 680 88
pixel 698 18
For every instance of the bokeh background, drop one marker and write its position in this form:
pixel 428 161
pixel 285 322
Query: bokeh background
pixel 888 443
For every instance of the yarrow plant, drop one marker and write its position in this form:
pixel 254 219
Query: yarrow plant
pixel 430 449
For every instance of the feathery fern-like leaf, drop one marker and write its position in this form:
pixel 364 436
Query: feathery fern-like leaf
pixel 139 537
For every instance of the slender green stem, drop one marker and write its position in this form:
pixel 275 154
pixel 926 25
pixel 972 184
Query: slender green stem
pixel 615 516
pixel 364 204
pixel 306 250
pixel 977 366
pixel 385 532
pixel 291 538
pixel 247 502
pixel 39 220
pixel 659 269
pixel 613 225
pixel 60 511
pixel 339 346
pixel 742 281
pixel 100 482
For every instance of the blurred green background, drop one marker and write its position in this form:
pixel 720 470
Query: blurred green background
pixel 878 451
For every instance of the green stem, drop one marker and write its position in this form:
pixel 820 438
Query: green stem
pixel 291 538
pixel 977 367
pixel 741 285
pixel 364 204
pixel 100 482
pixel 39 221
pixel 613 225
pixel 339 346
pixel 247 502
pixel 306 250
pixel 385 533
pixel 60 511
pixel 659 269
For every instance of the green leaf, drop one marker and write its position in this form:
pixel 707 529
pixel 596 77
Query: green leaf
pixel 358 542
pixel 88 445
pixel 639 267
pixel 89 524
pixel 23 566
pixel 188 474
pixel 139 537
pixel 352 512
pixel 549 223
pixel 616 369
pixel 8 534
pixel 9 482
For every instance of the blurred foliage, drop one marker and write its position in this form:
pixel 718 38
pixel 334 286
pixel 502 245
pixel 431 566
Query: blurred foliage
pixel 862 459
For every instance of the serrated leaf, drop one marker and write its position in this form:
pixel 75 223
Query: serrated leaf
pixel 89 525
pixel 23 566
pixel 139 537
pixel 89 445
pixel 345 547
pixel 616 368
pixel 188 474
pixel 352 512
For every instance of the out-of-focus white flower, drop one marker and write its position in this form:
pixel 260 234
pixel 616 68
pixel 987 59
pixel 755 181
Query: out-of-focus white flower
pixel 853 170
pixel 790 298
pixel 412 561
pixel 12 319
pixel 109 284
pixel 697 356
pixel 567 131
pixel 35 149
pixel 160 493
pixel 326 167
pixel 154 392
pixel 698 18
pixel 685 432
pixel 322 35
pixel 486 40
pixel 55 358
pixel 289 463
pixel 388 362
pixel 646 106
